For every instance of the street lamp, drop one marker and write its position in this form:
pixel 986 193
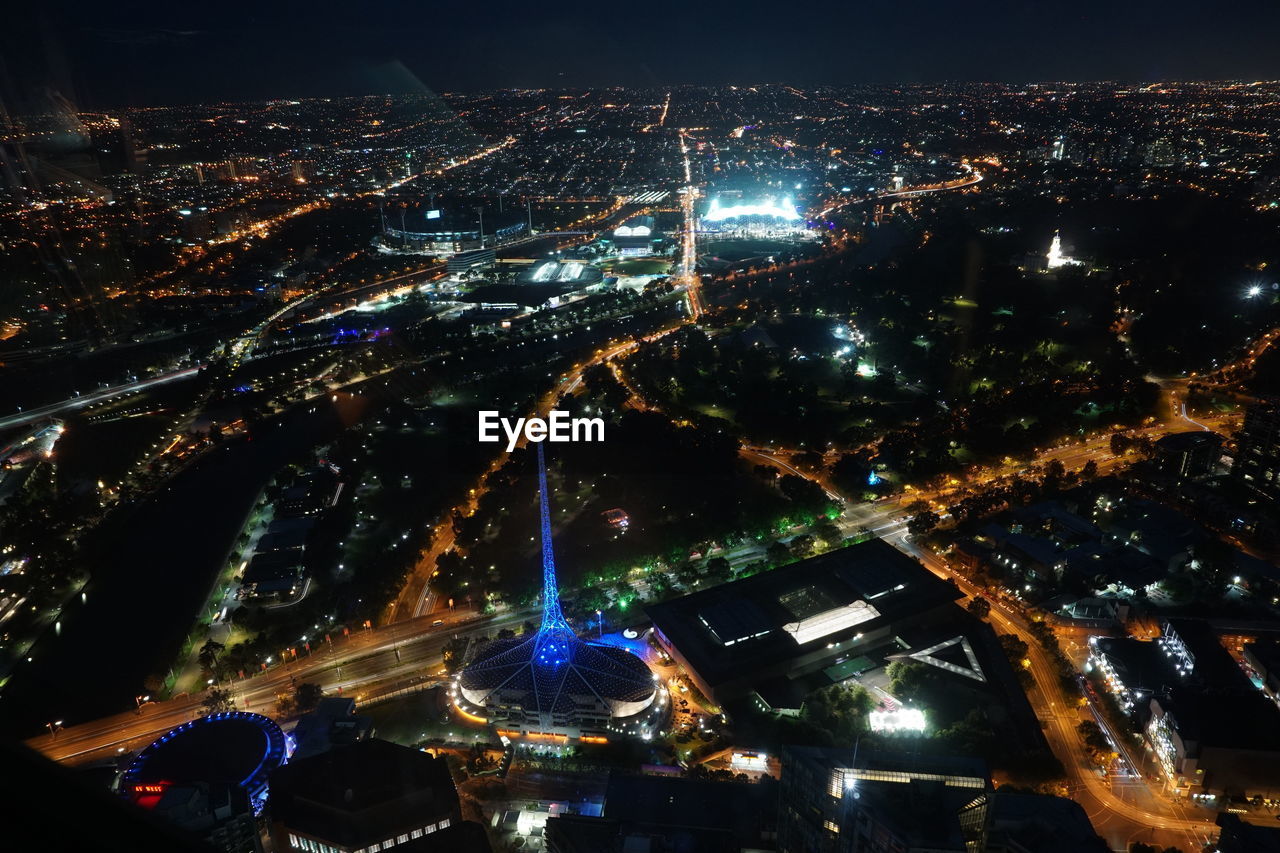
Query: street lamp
pixel 54 728
pixel 141 700
pixel 600 623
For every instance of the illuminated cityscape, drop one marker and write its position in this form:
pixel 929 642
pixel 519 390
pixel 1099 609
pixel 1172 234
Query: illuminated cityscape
pixel 910 381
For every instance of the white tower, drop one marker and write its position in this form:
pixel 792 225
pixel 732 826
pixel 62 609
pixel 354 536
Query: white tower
pixel 1056 258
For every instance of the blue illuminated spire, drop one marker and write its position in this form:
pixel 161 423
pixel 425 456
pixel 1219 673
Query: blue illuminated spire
pixel 550 672
pixel 555 637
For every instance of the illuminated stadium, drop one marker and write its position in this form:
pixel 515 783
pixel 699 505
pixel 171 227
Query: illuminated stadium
pixel 554 685
pixel 635 237
pixel 233 749
pixel 760 218
pixel 446 232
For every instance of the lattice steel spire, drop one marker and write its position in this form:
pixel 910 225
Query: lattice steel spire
pixel 553 671
pixel 555 637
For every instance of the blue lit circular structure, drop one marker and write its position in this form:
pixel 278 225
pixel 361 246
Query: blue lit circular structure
pixel 554 683
pixel 231 748
pixel 551 675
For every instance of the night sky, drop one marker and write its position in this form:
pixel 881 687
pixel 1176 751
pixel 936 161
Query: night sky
pixel 103 53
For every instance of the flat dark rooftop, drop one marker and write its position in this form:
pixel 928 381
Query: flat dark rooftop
pixel 1214 667
pixel 743 809
pixel 874 572
pixel 1240 720
pixel 1139 664
pixel 528 295
pixel 356 791
pixel 1045 824
pixel 1238 836
pixel 1177 442
pixel 1266 653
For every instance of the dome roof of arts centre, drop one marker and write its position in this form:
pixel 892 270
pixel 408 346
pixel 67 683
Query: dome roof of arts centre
pixel 558 669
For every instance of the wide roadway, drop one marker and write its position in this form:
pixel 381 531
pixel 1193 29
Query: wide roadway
pixel 367 663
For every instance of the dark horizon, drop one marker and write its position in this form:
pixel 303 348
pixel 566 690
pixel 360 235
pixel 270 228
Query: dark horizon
pixel 143 53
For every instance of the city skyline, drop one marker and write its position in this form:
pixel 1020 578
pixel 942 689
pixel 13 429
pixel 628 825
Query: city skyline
pixel 915 477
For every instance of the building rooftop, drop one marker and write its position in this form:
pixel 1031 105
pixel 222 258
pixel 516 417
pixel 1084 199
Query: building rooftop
pixel 574 274
pixel 352 793
pixel 527 295
pixel 1245 720
pixel 770 617
pixel 578 669
pixel 1139 665
pixel 1265 654
pixel 1181 442
pixel 1238 836
pixel 919 795
pixel 737 814
pixel 1213 667
pixel 1043 823
pixel 334 722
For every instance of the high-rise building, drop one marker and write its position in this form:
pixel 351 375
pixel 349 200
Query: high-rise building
pixel 1257 459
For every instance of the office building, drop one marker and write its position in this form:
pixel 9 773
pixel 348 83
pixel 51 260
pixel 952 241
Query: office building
pixel 820 615
pixel 1187 455
pixel 1257 459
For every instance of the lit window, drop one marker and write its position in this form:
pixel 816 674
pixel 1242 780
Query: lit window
pixel 388 844
pixel 429 828
pixel 293 840
pixel 444 823
pixel 417 833
pixel 403 838
pixel 830 826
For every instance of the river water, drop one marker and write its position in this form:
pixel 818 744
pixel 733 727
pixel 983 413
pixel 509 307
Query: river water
pixel 152 566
